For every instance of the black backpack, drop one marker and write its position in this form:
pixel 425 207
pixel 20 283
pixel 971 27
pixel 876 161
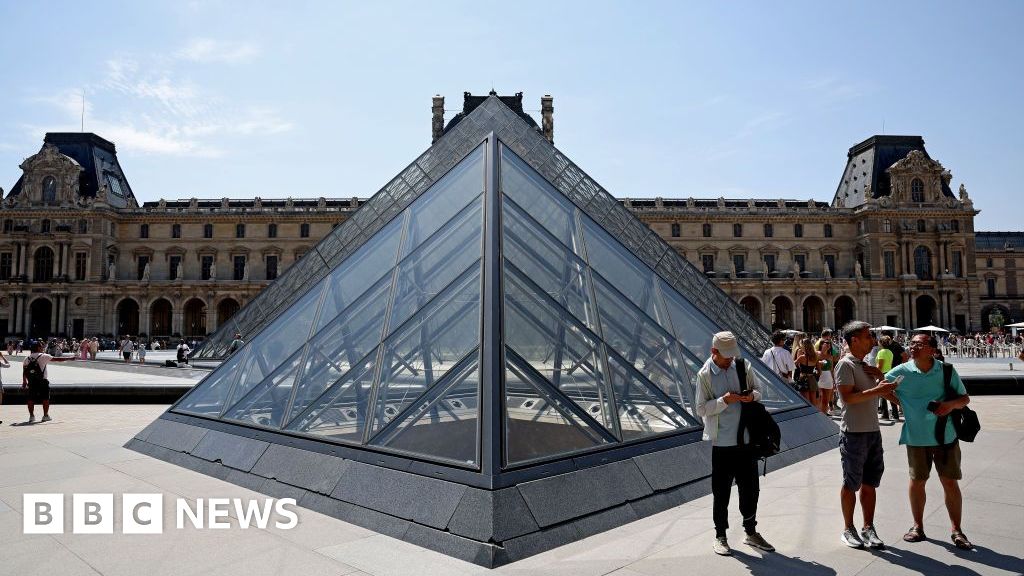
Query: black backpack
pixel 765 436
pixel 965 421
pixel 34 372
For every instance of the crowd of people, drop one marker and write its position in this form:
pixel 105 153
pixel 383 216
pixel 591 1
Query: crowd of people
pixel 870 375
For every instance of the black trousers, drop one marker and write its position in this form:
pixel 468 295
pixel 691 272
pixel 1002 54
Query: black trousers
pixel 734 464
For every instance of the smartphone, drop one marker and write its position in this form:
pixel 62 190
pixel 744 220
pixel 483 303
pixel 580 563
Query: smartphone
pixel 933 405
pixel 897 380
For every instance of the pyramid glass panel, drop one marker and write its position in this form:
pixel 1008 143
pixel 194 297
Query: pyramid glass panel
pixel 427 347
pixel 444 422
pixel 340 414
pixel 643 411
pixel 539 422
pixel 267 403
pixel 208 398
pixel 528 189
pixel 558 348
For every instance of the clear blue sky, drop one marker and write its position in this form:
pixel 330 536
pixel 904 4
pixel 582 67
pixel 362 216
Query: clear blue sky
pixel 677 99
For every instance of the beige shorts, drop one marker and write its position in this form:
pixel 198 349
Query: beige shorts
pixel 946 459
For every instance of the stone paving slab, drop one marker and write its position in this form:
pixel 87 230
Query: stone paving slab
pixel 799 513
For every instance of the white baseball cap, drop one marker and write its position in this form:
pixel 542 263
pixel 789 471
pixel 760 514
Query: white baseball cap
pixel 725 343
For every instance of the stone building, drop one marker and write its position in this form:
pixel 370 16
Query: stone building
pixel 895 245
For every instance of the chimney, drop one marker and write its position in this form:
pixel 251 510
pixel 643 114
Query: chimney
pixel 437 125
pixel 547 109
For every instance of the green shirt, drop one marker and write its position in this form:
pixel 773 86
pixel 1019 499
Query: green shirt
pixel 915 392
pixel 885 355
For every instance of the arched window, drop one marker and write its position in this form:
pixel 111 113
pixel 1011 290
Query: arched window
pixel 828 230
pixel 887 225
pixel 272 231
pixel 676 231
pixel 769 230
pixel 83 226
pixel 144 231
pixel 737 230
pixel 42 265
pixel 923 263
pixel 798 230
pixel 49 190
pixel 917 190
pixel 239 230
pixel 304 230
pixel 920 226
pixel 207 230
pixel 954 225
pixel 44 227
pixel 706 230
pixel 8 225
pixel 175 230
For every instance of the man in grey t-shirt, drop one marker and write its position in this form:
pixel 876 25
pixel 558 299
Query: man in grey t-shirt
pixel 860 441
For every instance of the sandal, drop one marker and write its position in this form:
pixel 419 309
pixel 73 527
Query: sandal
pixel 916 534
pixel 961 541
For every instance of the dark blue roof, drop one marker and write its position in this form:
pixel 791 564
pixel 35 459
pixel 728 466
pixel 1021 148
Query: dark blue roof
pixel 98 159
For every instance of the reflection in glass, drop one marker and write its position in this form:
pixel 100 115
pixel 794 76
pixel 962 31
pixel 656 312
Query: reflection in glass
pixel 642 411
pixel 341 412
pixel 528 189
pixel 446 197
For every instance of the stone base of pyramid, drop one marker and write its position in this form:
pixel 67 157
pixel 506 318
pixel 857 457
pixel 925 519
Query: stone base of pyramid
pixel 488 527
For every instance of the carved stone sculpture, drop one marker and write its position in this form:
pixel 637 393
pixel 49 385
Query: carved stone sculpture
pixel 111 272
pixel 213 271
pixel 963 193
pixel 828 271
pixel 321 203
pixel 145 273
pixel 257 203
pixel 795 270
pixel 857 272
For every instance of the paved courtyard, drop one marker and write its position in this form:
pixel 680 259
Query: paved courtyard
pixel 80 451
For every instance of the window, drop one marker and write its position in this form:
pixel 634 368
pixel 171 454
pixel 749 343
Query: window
pixel 887 225
pixel 769 263
pixel 239 230
pixel 889 263
pixel 769 230
pixel 207 230
pixel 175 230
pixel 206 262
pixel 272 231
pixel 828 230
pixel 958 263
pixel 49 190
pixel 920 226
pixel 860 227
pixel 83 226
pixel 954 225
pixel 798 230
pixel 708 262
pixel 917 190
pixel 175 264
pixel 238 267
pixel 923 263
pixel 988 262
pixel 705 230
pixel 737 230
pixel 990 286
pixel 303 230
pixel 739 262
pixel 144 231
pixel 44 227
pixel 801 261
pixel 830 263
pixel 141 267
pixel 6 265
pixel 42 265
pixel 271 267
pixel 8 225
pixel 676 231
pixel 81 265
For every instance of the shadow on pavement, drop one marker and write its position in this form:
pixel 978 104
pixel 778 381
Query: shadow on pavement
pixel 775 564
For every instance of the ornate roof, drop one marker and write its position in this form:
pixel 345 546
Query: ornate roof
pixel 868 163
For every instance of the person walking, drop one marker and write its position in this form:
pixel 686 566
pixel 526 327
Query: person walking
pixel 127 348
pixel 929 435
pixel 236 343
pixel 83 349
pixel 35 377
pixel 860 440
pixel 718 403
pixel 807 373
pixel 94 347
pixel 883 361
pixel 142 352
pixel 778 358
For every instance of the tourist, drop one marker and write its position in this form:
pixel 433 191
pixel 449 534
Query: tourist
pixel 883 361
pixel 807 373
pixel 142 352
pixel 860 440
pixel 922 394
pixel 829 352
pixel 127 347
pixel 778 358
pixel 35 377
pixel 3 364
pixel 94 347
pixel 718 403
pixel 83 349
pixel 236 343
pixel 183 352
pixel 899 354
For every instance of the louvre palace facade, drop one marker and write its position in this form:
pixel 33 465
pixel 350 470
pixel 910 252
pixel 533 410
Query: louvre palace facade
pixel 80 256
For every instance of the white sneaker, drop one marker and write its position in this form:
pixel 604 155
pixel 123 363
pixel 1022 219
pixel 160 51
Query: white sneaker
pixel 46 418
pixel 870 537
pixel 851 539
pixel 721 547
pixel 31 419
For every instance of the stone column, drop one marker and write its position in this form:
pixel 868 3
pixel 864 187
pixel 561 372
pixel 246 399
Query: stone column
pixel 55 317
pixel 547 111
pixel 211 316
pixel 27 316
pixel 830 315
pixel 177 319
pixel 12 314
pixel 144 317
pixel 437 119
pixel 67 259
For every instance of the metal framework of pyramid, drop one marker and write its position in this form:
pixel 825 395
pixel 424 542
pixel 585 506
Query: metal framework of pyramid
pixel 478 362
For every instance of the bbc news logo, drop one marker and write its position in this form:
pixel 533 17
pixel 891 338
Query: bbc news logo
pixel 144 513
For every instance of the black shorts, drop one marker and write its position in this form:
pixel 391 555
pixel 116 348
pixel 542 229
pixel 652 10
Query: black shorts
pixel 39 391
pixel 126 355
pixel 861 454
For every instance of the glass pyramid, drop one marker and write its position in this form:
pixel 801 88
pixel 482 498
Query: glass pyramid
pixel 491 324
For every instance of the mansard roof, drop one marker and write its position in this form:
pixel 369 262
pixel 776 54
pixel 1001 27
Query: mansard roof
pixel 867 164
pixel 998 241
pixel 470 103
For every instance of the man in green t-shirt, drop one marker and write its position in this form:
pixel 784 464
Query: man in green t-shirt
pixel 923 396
pixel 883 360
